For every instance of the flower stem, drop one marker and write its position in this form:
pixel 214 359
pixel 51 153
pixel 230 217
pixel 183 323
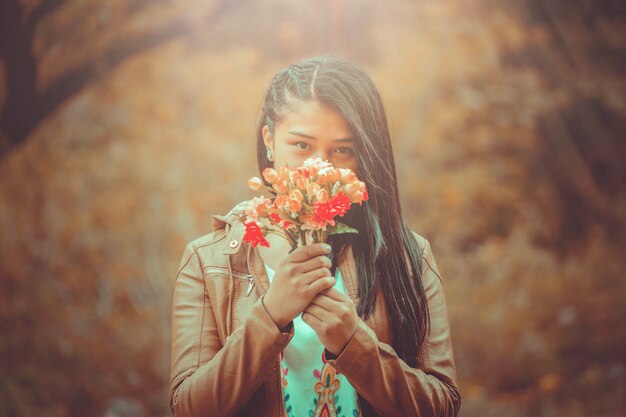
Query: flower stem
pixel 302 237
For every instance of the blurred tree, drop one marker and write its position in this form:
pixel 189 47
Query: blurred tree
pixel 26 104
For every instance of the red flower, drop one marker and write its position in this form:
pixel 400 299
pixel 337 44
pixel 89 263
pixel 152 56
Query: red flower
pixel 254 235
pixel 282 223
pixel 275 217
pixel 324 213
pixel 305 172
pixel 341 203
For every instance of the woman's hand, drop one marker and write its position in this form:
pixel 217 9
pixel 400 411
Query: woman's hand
pixel 333 316
pixel 297 280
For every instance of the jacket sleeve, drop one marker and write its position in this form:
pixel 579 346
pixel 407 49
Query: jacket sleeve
pixel 386 382
pixel 206 378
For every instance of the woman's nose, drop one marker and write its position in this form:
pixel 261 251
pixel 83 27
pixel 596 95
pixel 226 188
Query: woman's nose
pixel 324 155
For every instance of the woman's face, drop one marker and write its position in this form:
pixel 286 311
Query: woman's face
pixel 312 129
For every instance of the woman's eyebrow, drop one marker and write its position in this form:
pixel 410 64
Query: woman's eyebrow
pixel 313 137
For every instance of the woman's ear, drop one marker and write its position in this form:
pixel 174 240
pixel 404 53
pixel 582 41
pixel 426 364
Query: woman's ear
pixel 267 137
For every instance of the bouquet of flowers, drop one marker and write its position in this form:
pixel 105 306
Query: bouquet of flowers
pixel 308 200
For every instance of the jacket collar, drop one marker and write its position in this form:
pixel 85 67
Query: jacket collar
pixel 235 229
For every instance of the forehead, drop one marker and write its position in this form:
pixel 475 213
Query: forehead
pixel 314 119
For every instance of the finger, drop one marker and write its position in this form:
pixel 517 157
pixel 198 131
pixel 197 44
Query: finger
pixel 335 294
pixel 325 301
pixel 319 312
pixel 316 315
pixel 314 275
pixel 312 320
pixel 319 261
pixel 319 285
pixel 303 253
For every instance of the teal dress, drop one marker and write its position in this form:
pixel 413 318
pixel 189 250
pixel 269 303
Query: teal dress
pixel 311 387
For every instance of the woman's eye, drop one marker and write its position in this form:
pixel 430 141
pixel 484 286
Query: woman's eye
pixel 301 143
pixel 345 150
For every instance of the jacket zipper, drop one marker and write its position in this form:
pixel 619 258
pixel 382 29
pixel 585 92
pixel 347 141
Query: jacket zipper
pixel 238 275
pixel 250 285
pixel 248 277
pixel 277 384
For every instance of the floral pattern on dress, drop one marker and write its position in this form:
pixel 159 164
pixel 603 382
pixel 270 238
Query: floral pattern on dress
pixel 313 388
pixel 326 387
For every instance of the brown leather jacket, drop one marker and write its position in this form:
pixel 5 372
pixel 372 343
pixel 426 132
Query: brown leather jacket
pixel 225 346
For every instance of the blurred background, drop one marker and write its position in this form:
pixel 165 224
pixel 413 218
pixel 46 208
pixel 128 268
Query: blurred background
pixel 124 124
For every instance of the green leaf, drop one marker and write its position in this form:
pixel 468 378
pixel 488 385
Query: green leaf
pixel 339 228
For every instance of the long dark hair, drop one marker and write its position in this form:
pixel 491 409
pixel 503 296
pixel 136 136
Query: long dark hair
pixel 381 257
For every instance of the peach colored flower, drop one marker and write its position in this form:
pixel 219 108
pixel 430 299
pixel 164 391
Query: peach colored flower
pixel 335 175
pixel 347 175
pixel 255 183
pixel 257 207
pixel 350 190
pixel 284 173
pixel 297 194
pixel 300 179
pixel 311 222
pixel 270 175
pixel 315 164
pixel 312 188
pixel 326 175
pixel 356 191
pixel 281 201
pixel 294 205
pixel 281 186
pixel 322 195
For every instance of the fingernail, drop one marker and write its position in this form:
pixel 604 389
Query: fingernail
pixel 327 247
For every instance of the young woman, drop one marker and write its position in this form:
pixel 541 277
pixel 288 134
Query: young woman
pixel 356 329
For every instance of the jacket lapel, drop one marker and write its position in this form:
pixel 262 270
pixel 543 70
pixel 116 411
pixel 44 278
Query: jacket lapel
pixel 348 270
